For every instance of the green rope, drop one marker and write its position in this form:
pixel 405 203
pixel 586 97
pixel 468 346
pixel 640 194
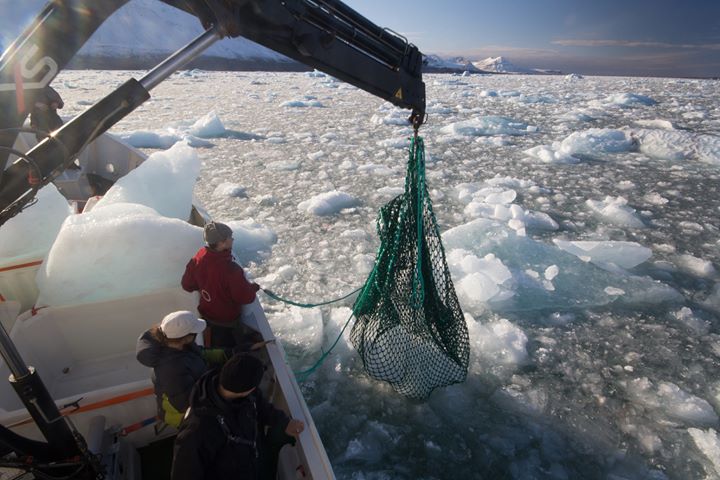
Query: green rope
pixel 418 155
pixel 307 305
pixel 303 375
pixel 415 175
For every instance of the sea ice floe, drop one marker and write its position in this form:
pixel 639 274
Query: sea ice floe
pixel 696 266
pixel 302 104
pixel 576 283
pixel 301 328
pixel 227 189
pixel 328 203
pixel 161 139
pixel 251 237
pixel 493 199
pixel 316 74
pixel 692 322
pixel 708 442
pixel 391 116
pixel 625 100
pixel 496 344
pixel 657 123
pixel 194 134
pixel 670 401
pixel 488 126
pixel 615 210
pixel 622 254
pixel 595 143
pixel 654 198
pixel 208 126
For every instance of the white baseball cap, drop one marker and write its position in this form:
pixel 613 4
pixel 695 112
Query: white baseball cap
pixel 181 323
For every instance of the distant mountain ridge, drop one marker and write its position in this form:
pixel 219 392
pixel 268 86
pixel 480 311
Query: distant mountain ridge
pixel 437 64
pixel 143 32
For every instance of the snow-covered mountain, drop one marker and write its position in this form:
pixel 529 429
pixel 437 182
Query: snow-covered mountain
pixel 501 65
pixel 437 64
pixel 144 31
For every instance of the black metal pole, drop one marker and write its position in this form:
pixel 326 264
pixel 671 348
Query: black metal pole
pixel 31 390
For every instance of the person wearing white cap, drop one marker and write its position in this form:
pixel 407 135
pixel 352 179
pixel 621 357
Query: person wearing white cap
pixel 177 361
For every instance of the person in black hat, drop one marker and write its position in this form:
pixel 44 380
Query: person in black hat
pixel 222 285
pixel 222 436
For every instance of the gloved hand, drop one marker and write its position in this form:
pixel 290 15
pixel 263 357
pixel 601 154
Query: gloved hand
pixel 256 286
pixel 250 346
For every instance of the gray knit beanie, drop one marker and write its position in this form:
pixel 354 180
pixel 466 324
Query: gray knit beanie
pixel 215 232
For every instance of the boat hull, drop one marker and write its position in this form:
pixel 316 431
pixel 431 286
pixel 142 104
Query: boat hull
pixel 85 354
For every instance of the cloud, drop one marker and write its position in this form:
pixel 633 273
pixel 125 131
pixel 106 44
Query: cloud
pixel 633 44
pixel 507 51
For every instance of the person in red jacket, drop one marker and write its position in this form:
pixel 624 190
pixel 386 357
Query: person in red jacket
pixel 222 285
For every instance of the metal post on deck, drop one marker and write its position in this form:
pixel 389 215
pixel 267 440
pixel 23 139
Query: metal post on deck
pixel 31 390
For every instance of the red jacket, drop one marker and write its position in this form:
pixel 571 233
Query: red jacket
pixel 222 285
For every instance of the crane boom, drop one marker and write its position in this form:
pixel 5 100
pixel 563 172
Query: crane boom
pixel 323 34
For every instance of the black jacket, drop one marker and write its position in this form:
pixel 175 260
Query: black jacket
pixel 219 439
pixel 174 371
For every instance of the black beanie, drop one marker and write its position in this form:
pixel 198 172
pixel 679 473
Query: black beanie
pixel 241 373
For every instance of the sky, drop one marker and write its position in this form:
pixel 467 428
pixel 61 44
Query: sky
pixel 607 37
pixel 604 37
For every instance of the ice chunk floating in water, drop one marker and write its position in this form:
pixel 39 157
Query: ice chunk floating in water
pixel 577 283
pixel 622 254
pixel 328 203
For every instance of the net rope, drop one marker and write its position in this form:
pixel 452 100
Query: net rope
pixel 409 330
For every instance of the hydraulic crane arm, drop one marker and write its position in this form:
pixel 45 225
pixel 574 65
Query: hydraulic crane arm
pixel 323 34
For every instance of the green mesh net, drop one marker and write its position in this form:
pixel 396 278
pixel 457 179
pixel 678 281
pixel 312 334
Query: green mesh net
pixel 409 328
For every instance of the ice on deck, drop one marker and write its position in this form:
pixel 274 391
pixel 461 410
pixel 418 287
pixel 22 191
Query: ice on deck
pixel 163 182
pixel 137 238
pixel 28 236
pixel 118 251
